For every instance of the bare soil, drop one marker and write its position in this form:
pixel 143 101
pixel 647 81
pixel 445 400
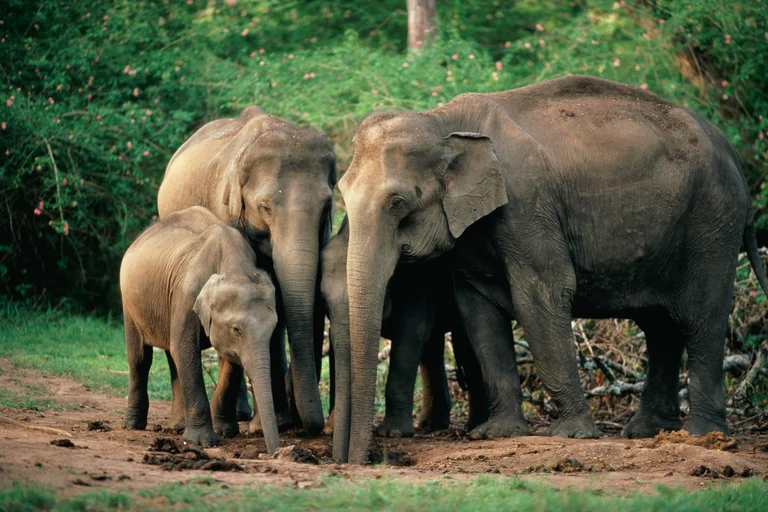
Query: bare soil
pixel 94 452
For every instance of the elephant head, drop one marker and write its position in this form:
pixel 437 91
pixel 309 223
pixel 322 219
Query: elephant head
pixel 412 189
pixel 238 315
pixel 278 189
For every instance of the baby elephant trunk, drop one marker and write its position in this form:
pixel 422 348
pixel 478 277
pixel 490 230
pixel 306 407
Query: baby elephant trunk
pixel 256 365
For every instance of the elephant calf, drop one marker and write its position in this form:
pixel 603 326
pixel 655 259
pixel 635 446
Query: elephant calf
pixel 189 283
pixel 419 309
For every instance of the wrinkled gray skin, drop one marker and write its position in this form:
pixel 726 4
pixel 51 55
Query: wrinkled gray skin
pixel 572 197
pixel 272 181
pixel 188 283
pixel 419 309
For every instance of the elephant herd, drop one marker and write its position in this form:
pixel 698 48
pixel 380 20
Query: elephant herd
pixel 571 197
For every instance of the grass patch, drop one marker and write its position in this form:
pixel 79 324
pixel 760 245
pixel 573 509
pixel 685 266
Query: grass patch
pixel 484 492
pixel 86 349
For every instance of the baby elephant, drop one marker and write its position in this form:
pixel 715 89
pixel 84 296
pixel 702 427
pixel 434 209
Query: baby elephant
pixel 188 283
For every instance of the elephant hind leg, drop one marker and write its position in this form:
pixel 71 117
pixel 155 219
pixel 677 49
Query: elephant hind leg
pixel 660 403
pixel 436 398
pixel 704 309
pixel 139 364
pixel 178 420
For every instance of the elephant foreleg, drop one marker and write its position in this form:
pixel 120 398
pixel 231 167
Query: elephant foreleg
pixel 436 398
pixel 225 398
pixel 139 363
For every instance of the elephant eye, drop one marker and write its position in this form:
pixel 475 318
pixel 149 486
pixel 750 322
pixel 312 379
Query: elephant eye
pixel 396 202
pixel 265 209
pixel 236 330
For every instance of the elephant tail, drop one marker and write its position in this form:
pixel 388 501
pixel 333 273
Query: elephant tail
pixel 750 244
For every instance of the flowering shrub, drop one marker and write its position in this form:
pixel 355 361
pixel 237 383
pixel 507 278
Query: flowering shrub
pixel 97 96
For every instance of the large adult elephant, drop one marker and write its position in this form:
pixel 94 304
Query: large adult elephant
pixel 576 196
pixel 273 181
pixel 419 309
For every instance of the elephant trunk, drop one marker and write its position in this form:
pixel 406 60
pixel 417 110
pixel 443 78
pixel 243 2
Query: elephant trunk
pixel 338 313
pixel 296 262
pixel 256 365
pixel 370 265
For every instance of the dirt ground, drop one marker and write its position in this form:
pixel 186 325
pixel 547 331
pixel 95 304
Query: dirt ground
pixel 108 457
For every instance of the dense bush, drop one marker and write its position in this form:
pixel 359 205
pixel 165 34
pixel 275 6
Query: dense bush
pixel 98 95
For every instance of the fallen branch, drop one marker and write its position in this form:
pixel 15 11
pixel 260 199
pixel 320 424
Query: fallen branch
pixel 47 430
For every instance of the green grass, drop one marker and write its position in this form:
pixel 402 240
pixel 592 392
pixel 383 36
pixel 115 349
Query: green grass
pixel 86 349
pixel 482 493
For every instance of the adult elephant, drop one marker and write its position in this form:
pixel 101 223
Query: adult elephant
pixel 273 181
pixel 575 196
pixel 419 309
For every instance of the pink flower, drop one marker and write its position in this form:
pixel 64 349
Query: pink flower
pixel 498 66
pixel 405 64
pixel 253 54
pixel 662 20
pixel 644 87
pixel 724 83
pixel 157 100
pixel 136 91
pixel 148 112
pixel 617 63
pixel 262 50
pixel 313 40
pixel 727 39
pixel 539 27
pixel 154 217
pixel 507 44
pixel 541 42
pixel 66 227
pixel 244 32
pixel 37 211
pixel 753 293
pixel 40 205
pixel 434 93
pixel 290 56
pixel 50 100
pixel 90 96
pixel 71 136
pixel 98 116
pixel 82 181
pixel 64 181
pixel 527 45
pixel 129 144
pixel 471 57
pixel 146 153
pixel 74 203
pixel 374 91
pixel 9 102
pixel 3 126
pixel 761 136
pixel 455 56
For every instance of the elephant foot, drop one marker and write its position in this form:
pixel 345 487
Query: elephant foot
pixel 500 426
pixel 226 427
pixel 284 423
pixel 697 426
pixel 643 425
pixel 134 422
pixel 431 420
pixel 177 423
pixel 203 436
pixel 580 427
pixel 400 426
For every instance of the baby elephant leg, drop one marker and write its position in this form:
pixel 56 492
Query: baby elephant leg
pixel 139 363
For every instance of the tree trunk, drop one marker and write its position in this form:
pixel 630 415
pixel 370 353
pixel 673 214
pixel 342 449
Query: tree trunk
pixel 422 19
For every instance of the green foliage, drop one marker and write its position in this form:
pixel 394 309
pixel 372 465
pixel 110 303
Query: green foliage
pixel 483 492
pixel 99 95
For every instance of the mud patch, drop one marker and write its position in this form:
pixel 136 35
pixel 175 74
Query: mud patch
pixel 292 453
pixel 167 454
pixel 712 441
pixel 569 465
pixel 63 443
pixel 99 426
pixel 727 472
pixel 388 455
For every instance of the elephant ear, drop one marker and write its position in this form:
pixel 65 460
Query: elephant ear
pixel 202 307
pixel 474 185
pixel 236 176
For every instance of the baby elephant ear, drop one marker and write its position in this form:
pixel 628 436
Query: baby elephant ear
pixel 474 185
pixel 202 307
